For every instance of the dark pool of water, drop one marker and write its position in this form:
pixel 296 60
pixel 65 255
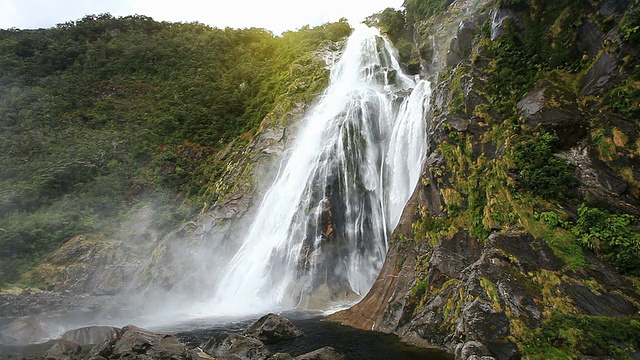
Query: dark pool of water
pixel 352 343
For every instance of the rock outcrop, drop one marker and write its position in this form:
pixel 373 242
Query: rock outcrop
pixel 236 346
pixel 273 328
pixel 91 335
pixel 325 353
pixel 472 268
pixel 63 350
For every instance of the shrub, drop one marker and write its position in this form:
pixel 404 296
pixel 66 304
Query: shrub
pixel 540 172
pixel 611 236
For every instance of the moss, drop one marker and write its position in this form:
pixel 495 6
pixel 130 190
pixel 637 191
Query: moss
pixel 492 292
pixel 562 241
pixel 550 282
pixel 568 336
pixel 620 139
pixel 603 141
pixel 452 310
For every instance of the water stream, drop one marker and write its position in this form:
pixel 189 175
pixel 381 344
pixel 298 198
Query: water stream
pixel 321 233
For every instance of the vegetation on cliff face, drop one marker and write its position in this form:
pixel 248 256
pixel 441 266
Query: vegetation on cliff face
pixel 544 49
pixel 530 187
pixel 103 114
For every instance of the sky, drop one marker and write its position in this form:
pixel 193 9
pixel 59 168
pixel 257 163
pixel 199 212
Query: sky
pixel 274 15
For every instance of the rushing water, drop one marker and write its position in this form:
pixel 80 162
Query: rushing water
pixel 321 233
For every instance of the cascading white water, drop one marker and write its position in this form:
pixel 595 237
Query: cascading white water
pixel 321 230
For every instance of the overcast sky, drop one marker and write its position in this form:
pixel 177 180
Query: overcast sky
pixel 275 15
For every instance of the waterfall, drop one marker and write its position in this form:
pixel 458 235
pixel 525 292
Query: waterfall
pixel 321 233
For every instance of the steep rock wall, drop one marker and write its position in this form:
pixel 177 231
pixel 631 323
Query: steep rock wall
pixel 472 267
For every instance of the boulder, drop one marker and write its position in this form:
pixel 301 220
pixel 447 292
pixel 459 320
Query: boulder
pixel 102 350
pixel 91 335
pixel 198 354
pixel 135 341
pixel 325 353
pixel 273 328
pixel 236 346
pixel 281 356
pixel 63 350
pixel 24 330
pixel 471 348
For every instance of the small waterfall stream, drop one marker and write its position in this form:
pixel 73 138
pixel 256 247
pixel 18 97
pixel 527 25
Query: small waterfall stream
pixel 321 233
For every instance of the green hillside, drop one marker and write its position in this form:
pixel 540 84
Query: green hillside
pixel 101 115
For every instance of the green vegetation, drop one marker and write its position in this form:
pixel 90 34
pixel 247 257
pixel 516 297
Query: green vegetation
pixel 422 9
pixel 392 23
pixel 540 172
pixel 499 174
pixel 612 236
pixel 102 114
pixel 566 336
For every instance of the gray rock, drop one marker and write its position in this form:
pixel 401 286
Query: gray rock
pixel 137 341
pixel 599 75
pixel 281 356
pixel 610 7
pixel 554 109
pixel 63 350
pixel 91 335
pixel 598 179
pixel 236 346
pixel 198 354
pixel 460 46
pixel 24 330
pixel 273 328
pixel 473 348
pixel 480 321
pixel 102 350
pixel 325 353
pixel 589 38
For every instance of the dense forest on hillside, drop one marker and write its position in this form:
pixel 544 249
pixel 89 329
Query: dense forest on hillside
pixel 103 114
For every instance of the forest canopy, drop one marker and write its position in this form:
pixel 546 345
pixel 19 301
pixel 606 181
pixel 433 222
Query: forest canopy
pixel 101 114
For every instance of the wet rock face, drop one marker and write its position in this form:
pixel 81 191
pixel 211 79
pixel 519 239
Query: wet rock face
pixel 589 38
pixel 600 181
pixel 554 109
pixel 89 264
pixel 273 328
pixel 236 346
pixel 610 7
pixel 476 290
pixel 601 74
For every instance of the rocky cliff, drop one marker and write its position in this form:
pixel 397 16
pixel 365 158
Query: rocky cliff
pixel 537 113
